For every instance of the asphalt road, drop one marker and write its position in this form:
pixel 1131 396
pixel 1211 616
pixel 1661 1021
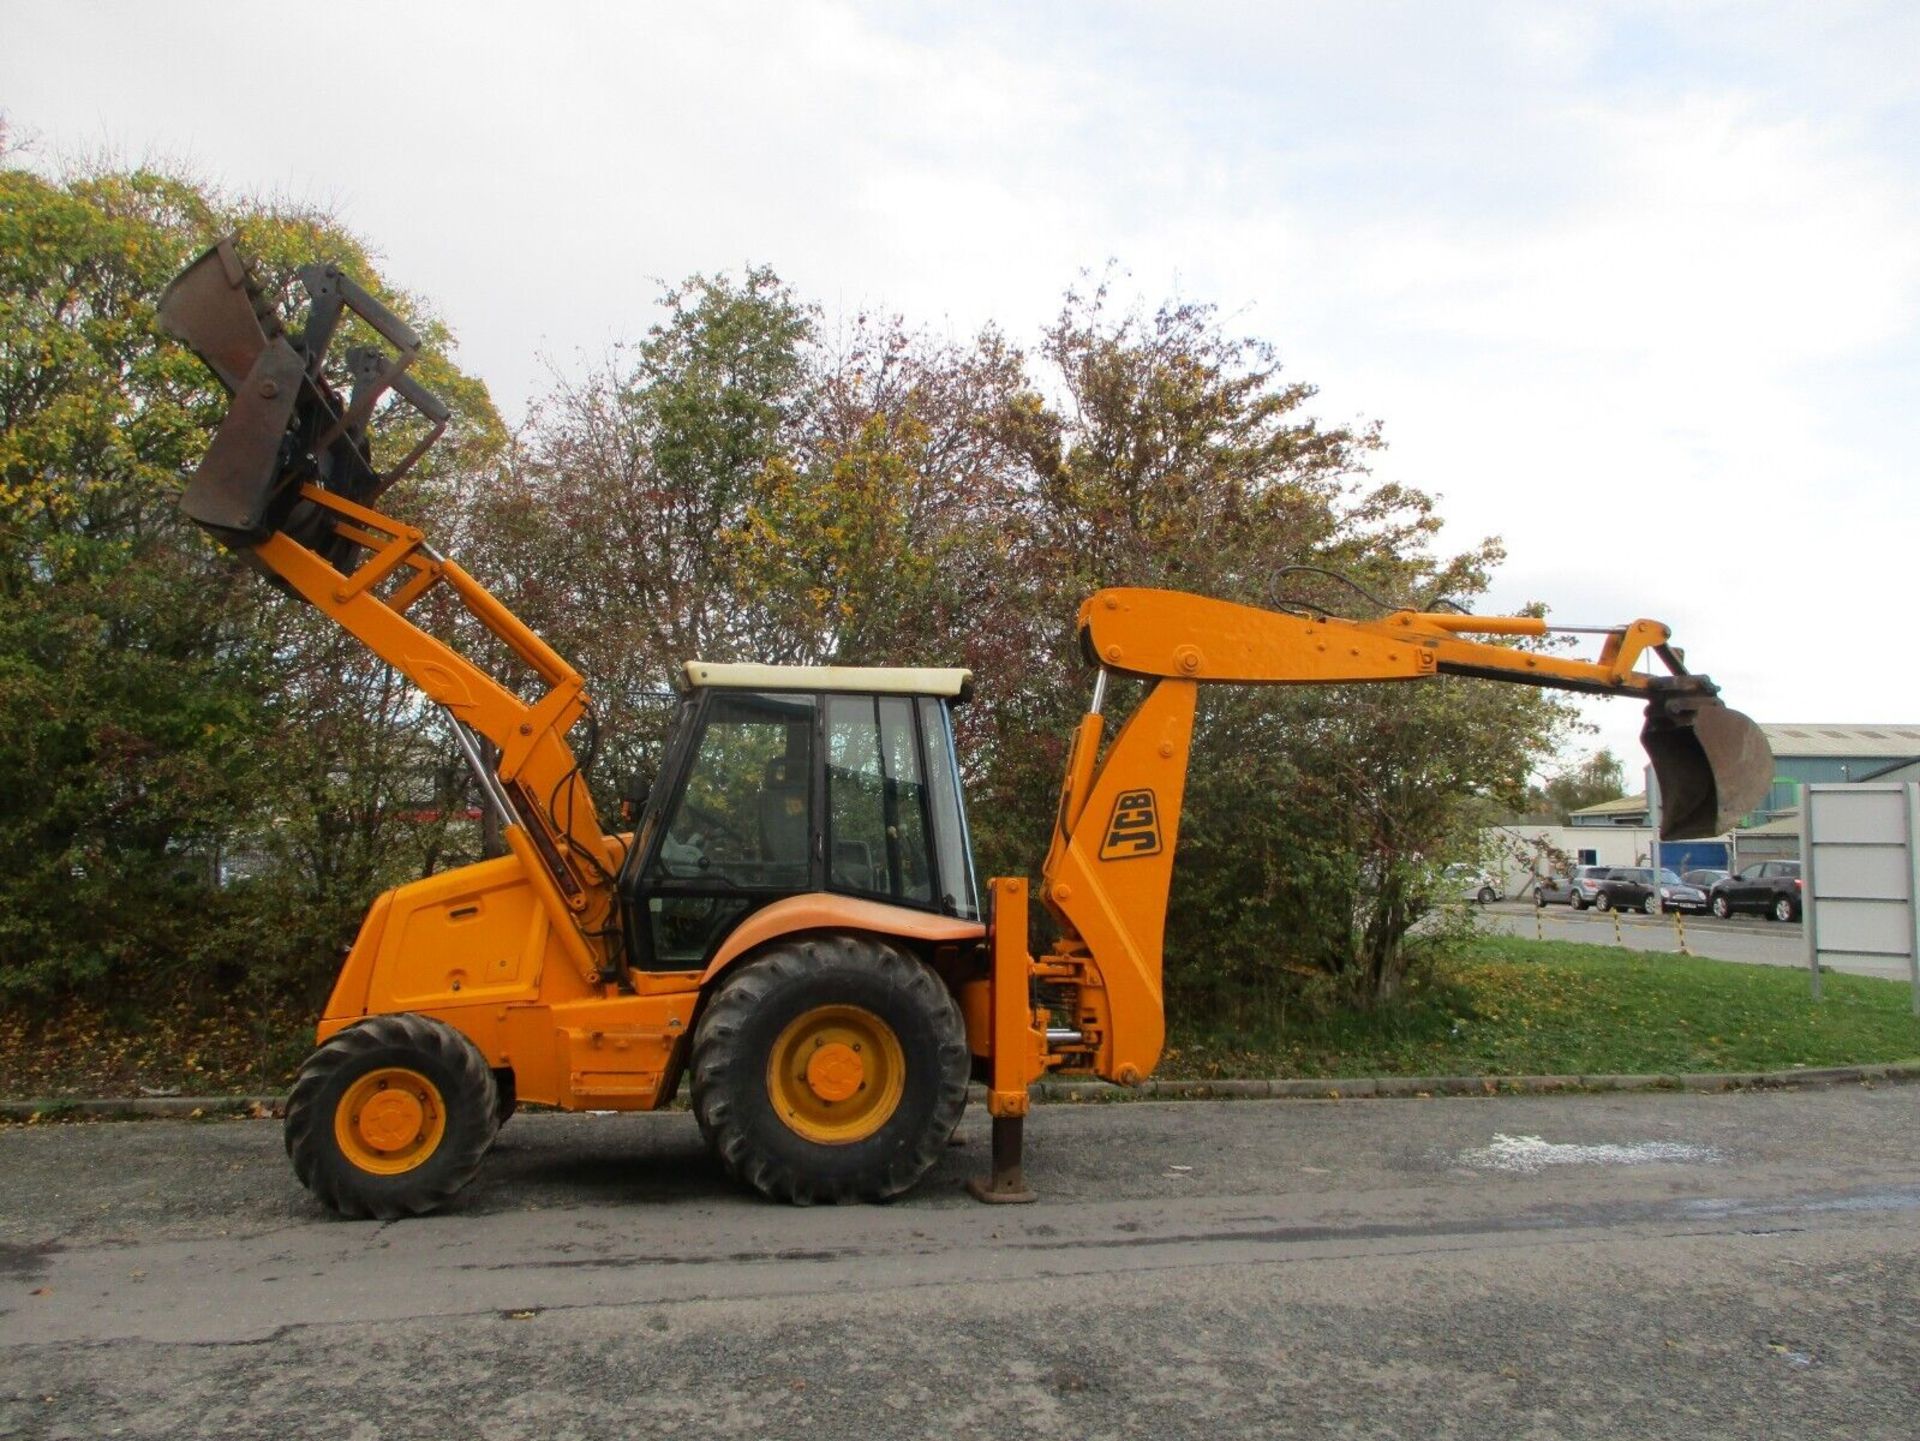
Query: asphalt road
pixel 1752 940
pixel 1739 1265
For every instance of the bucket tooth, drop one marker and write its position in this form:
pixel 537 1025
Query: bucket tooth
pixel 1712 763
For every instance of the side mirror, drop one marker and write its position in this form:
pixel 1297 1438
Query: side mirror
pixel 633 796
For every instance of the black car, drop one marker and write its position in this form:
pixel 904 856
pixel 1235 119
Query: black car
pixel 1630 888
pixel 1769 887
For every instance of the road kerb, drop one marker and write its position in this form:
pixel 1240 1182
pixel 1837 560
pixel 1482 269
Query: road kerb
pixel 1310 1088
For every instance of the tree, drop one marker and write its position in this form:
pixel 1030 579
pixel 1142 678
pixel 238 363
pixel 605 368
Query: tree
pixel 1600 777
pixel 1314 816
pixel 151 689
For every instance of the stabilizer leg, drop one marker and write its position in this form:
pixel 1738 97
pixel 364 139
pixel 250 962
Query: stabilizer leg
pixel 1006 1183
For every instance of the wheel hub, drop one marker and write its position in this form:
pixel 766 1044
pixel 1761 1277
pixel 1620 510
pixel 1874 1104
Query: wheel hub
pixel 389 1120
pixel 836 1074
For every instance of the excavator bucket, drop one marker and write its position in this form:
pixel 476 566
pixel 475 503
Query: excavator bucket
pixel 287 425
pixel 1713 764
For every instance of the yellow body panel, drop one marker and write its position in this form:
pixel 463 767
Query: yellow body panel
pixel 475 947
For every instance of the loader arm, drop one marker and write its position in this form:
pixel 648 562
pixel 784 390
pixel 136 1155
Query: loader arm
pixel 1109 868
pixel 288 481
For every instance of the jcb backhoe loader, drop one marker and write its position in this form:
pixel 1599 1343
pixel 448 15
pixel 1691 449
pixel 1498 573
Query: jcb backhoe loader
pixel 794 918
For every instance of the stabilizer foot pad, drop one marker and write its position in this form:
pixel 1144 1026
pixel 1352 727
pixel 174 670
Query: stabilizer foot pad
pixel 996 1192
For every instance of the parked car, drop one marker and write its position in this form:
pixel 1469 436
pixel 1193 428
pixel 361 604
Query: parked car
pixel 1631 888
pixel 1769 887
pixel 1706 879
pixel 1574 889
pixel 1468 883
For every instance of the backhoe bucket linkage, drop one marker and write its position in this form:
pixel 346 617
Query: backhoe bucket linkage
pixel 1712 763
pixel 287 425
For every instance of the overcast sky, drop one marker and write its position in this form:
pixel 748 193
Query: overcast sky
pixel 1632 286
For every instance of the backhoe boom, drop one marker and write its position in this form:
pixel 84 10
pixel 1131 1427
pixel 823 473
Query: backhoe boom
pixel 1109 869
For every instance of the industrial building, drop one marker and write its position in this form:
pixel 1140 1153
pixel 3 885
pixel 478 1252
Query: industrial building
pixel 1619 832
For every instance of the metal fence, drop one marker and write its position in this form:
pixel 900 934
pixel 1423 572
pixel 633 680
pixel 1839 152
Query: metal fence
pixel 1860 875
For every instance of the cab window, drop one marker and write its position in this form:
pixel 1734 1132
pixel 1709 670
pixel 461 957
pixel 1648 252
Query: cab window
pixel 876 800
pixel 743 817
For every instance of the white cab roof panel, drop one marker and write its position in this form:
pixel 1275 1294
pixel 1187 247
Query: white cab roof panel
pixel 883 680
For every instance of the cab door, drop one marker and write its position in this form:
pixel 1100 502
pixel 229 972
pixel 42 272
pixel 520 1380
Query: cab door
pixel 737 830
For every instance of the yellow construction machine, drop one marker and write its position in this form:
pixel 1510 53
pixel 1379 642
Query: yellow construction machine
pixel 794 920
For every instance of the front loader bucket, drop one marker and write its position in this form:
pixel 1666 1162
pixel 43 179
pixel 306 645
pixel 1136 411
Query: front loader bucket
pixel 241 490
pixel 288 426
pixel 1713 764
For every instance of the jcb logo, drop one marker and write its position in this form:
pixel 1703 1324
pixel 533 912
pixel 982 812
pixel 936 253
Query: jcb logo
pixel 1134 829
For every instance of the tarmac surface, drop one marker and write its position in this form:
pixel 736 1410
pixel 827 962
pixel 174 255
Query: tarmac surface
pixel 1652 1264
pixel 1751 940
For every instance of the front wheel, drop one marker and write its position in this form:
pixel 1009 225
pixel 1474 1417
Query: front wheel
pixel 1651 905
pixel 1603 902
pixel 1575 901
pixel 1539 898
pixel 1487 896
pixel 390 1117
pixel 1721 907
pixel 1783 909
pixel 832 1068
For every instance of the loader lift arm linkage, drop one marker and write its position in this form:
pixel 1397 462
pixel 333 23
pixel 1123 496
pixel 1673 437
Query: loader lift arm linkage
pixel 526 973
pixel 287 480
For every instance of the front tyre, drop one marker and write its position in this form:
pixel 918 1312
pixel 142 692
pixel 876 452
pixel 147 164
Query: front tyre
pixel 390 1117
pixel 832 1068
pixel 1650 906
pixel 1722 907
pixel 1603 902
pixel 1783 909
pixel 1487 896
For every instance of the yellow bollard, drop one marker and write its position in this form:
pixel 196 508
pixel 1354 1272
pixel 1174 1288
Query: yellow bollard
pixel 1539 923
pixel 1680 930
pixel 1618 940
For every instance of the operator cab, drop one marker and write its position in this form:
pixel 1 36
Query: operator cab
pixel 787 780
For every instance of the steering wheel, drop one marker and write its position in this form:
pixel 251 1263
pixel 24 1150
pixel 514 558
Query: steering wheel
pixel 717 824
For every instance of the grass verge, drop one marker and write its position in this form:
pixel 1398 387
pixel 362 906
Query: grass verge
pixel 1511 1007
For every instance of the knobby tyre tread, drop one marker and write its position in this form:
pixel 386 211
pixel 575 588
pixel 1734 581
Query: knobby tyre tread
pixel 437 1051
pixel 735 1039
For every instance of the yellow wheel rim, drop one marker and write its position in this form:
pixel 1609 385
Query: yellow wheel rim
pixel 836 1074
pixel 390 1121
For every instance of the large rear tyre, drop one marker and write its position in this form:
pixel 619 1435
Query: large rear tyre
pixel 833 1068
pixel 391 1117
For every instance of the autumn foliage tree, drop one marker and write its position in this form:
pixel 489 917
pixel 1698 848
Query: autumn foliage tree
pixel 161 708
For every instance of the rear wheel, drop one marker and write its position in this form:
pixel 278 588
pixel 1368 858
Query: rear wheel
pixel 506 1098
pixel 1602 901
pixel 1576 902
pixel 1783 909
pixel 390 1117
pixel 1487 896
pixel 833 1068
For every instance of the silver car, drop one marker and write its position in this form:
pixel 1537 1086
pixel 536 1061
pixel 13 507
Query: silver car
pixel 1576 889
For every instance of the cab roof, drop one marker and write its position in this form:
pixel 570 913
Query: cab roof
pixel 871 679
